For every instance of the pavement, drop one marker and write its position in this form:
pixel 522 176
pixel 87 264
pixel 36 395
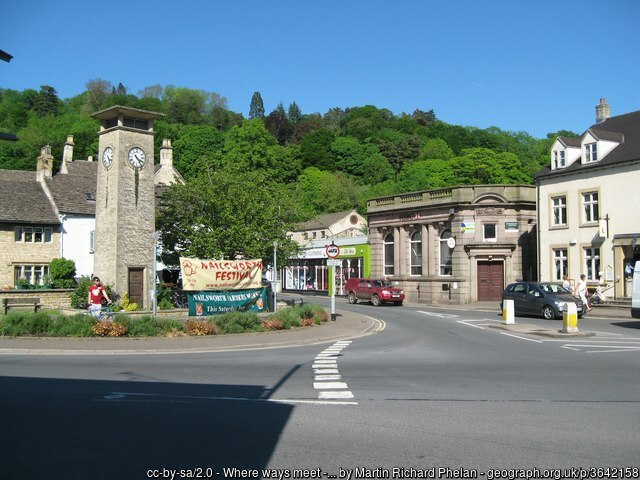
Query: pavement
pixel 348 325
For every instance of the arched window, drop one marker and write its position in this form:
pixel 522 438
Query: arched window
pixel 416 253
pixel 446 254
pixel 388 255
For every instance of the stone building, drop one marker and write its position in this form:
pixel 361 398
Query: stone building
pixel 455 245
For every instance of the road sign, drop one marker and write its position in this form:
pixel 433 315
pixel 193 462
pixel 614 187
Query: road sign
pixel 334 263
pixel 332 250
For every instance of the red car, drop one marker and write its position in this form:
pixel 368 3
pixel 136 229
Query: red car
pixel 376 291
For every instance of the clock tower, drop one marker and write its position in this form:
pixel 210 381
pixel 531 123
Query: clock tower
pixel 125 202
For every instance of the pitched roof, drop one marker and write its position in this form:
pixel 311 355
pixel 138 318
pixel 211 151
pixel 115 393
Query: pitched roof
pixel 22 199
pixel 70 190
pixel 622 128
pixel 324 221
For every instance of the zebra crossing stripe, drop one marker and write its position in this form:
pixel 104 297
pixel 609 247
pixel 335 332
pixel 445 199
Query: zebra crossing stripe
pixel 327 375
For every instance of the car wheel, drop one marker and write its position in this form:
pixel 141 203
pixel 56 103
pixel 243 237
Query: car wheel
pixel 375 300
pixel 548 313
pixel 352 298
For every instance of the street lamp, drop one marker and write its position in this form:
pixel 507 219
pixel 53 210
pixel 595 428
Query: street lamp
pixel 275 275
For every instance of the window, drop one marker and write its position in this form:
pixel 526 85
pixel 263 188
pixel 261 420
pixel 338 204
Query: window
pixel 489 231
pixel 591 152
pixel 389 254
pixel 558 159
pixel 560 263
pixel 559 206
pixel 34 274
pixel 33 234
pixel 592 263
pixel 590 203
pixel 446 257
pixel 416 253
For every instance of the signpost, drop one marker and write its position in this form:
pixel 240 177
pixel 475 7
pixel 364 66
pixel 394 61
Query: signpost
pixel 333 251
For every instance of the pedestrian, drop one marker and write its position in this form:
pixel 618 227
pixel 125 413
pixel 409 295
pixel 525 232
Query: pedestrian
pixel 96 292
pixel 582 291
pixel 566 283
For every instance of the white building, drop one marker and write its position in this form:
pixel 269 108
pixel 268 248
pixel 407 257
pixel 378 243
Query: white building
pixel 588 201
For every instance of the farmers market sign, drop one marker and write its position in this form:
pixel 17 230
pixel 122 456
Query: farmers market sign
pixel 212 303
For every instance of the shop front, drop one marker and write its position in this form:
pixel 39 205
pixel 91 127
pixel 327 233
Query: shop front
pixel 309 273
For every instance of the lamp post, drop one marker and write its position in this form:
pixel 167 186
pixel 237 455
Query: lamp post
pixel 154 298
pixel 275 275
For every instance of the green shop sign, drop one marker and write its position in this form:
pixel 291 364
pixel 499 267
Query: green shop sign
pixel 213 303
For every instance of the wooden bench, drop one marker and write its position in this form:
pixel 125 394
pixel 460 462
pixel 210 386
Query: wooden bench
pixel 31 303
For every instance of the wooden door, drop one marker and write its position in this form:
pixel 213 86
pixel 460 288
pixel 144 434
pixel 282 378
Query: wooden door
pixel 136 286
pixel 490 281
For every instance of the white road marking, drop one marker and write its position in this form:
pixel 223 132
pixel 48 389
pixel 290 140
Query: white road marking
pixel 439 315
pixel 521 338
pixel 326 374
pixel 336 395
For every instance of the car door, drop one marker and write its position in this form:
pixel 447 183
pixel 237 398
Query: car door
pixel 534 300
pixel 364 290
pixel 517 294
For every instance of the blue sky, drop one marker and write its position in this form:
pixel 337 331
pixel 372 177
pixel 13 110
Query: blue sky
pixel 533 66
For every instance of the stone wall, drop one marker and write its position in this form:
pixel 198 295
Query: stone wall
pixel 50 299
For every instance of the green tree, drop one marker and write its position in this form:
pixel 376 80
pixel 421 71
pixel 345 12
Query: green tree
pixel 426 175
pixel 62 272
pixel 222 213
pixel 194 146
pixel 47 101
pixel 363 161
pixel 315 149
pixel 294 113
pixel 278 124
pixel 481 166
pixel 256 108
pixel 435 148
pixel 319 192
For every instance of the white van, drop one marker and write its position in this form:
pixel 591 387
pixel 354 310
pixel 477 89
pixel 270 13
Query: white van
pixel 635 295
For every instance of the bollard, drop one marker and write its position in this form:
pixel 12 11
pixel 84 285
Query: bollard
pixel 508 314
pixel 570 318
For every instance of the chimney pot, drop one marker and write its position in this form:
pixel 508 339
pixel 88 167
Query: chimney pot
pixel 602 111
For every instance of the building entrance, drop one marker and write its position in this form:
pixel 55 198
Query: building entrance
pixel 490 280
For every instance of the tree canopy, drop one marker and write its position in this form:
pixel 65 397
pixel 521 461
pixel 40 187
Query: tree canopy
pixel 303 163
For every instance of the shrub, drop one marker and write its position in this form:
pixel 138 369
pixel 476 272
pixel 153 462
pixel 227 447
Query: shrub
pixel 164 297
pixel 273 324
pixel 201 327
pixel 109 329
pixel 62 273
pixel 75 326
pixel 18 322
pixel 126 305
pixel 149 326
pixel 238 322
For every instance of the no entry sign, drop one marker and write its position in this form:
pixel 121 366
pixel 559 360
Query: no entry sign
pixel 332 250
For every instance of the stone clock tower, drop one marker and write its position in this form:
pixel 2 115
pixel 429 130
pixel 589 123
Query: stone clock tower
pixel 125 202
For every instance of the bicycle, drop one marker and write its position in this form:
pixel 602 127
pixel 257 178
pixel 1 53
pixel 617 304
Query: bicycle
pixel 105 314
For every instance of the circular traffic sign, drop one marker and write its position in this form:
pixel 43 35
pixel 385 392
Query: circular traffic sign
pixel 332 250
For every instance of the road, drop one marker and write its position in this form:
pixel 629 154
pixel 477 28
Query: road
pixel 437 388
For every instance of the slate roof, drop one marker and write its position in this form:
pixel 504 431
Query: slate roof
pixel 622 128
pixel 69 191
pixel 22 199
pixel 323 221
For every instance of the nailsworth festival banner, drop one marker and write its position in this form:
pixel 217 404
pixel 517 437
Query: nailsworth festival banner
pixel 221 286
pixel 220 274
pixel 213 303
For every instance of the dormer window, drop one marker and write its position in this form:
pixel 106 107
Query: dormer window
pixel 591 152
pixel 559 159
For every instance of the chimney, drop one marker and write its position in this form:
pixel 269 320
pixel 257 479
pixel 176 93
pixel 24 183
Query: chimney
pixel 602 111
pixel 166 153
pixel 44 167
pixel 67 154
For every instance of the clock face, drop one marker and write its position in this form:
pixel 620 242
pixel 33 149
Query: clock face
pixel 137 157
pixel 107 157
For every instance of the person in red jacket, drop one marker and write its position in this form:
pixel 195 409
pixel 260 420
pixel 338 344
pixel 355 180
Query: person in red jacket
pixel 96 292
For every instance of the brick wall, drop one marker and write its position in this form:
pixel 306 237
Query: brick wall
pixel 51 299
